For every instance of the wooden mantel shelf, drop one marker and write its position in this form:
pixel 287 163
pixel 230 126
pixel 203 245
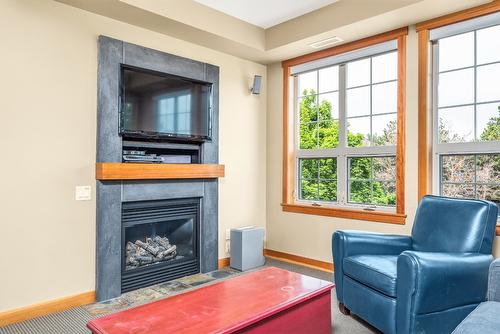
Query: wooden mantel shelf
pixel 108 171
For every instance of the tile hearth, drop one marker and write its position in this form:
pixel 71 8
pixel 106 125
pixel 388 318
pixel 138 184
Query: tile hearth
pixel 156 292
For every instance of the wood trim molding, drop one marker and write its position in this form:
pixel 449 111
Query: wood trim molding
pixel 359 44
pixel 107 171
pixel 401 127
pixel 224 262
pixel 288 147
pixel 498 230
pixel 296 259
pixel 44 308
pixel 288 174
pixel 373 216
pixel 460 16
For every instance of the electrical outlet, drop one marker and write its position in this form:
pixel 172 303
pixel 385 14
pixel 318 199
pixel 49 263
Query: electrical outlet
pixel 83 193
pixel 228 234
pixel 228 247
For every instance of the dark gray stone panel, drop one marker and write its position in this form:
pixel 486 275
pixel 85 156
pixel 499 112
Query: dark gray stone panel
pixel 109 239
pixel 210 151
pixel 138 56
pixel 209 235
pixel 155 190
pixel 109 148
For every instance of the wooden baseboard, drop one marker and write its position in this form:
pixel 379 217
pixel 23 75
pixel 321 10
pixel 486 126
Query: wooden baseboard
pixel 44 308
pixel 296 259
pixel 224 262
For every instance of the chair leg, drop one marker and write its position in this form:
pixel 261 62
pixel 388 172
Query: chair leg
pixel 344 310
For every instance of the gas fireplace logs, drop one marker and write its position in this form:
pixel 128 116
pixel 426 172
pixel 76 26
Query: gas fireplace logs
pixel 157 249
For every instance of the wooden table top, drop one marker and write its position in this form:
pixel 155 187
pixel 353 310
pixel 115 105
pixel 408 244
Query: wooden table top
pixel 223 307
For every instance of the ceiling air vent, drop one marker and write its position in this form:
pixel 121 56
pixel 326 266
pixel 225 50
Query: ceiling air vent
pixel 326 42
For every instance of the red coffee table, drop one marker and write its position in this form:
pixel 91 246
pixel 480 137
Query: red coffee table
pixel 269 300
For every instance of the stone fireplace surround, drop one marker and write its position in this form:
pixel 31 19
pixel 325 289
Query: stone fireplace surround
pixel 111 194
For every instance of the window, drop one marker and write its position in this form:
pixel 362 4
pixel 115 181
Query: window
pixel 466 114
pixel 344 138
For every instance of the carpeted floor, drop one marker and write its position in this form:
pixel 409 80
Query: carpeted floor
pixel 73 321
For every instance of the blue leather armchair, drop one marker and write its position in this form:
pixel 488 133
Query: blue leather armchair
pixel 424 283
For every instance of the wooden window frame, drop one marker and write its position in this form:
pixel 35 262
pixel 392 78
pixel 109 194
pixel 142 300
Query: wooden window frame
pixel 289 173
pixel 424 89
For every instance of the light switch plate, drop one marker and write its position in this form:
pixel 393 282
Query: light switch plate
pixel 83 193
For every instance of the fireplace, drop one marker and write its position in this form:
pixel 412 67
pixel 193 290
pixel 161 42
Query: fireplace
pixel 181 212
pixel 159 241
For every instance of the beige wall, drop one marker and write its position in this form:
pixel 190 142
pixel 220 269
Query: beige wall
pixel 48 114
pixel 309 235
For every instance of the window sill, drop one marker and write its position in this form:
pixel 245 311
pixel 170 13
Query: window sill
pixel 374 216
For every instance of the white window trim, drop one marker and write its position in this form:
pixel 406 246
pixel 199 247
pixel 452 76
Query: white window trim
pixel 342 152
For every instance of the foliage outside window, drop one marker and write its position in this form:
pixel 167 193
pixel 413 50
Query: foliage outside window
pixel 347 126
pixel 467 115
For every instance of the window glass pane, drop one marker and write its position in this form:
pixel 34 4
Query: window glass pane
pixel 372 180
pixel 329 79
pixel 456 51
pixel 384 193
pixel 456 88
pixel 360 168
pixel 360 192
pixel 384 169
pixel 461 190
pixel 358 101
pixel 328 169
pixel 308 83
pixel 358 73
pixel 329 106
pixel 457 168
pixel 309 168
pixel 328 191
pixel 309 189
pixel 490 192
pixel 488 168
pixel 456 124
pixel 384 130
pixel 385 67
pixel 488 121
pixel 328 134
pixel 308 134
pixel 318 179
pixel 471 176
pixel 358 131
pixel 385 98
pixel 308 109
pixel 488 45
pixel 488 88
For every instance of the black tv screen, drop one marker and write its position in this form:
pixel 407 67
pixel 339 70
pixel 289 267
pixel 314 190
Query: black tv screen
pixel 155 105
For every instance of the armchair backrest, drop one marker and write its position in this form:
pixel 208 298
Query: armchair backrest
pixel 444 224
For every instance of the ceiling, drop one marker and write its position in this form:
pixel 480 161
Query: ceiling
pixel 194 22
pixel 265 13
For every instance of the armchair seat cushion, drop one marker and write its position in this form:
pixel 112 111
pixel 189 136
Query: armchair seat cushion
pixel 376 271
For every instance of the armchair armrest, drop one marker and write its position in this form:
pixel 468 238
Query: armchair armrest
pixel 494 281
pixel 431 282
pixel 348 243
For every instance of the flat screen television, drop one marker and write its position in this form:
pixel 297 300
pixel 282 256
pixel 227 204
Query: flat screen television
pixel 164 106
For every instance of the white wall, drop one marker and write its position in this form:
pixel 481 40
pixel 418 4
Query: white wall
pixel 48 114
pixel 309 235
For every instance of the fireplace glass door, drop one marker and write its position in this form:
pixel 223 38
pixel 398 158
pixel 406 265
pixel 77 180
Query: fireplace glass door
pixel 160 241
